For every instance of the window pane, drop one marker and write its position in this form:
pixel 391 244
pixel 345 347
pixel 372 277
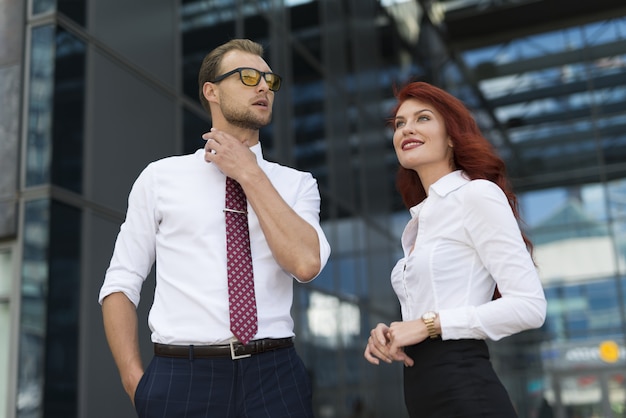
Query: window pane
pixel 38 151
pixel 61 352
pixel 74 9
pixel 6 278
pixel 33 309
pixel 43 6
pixel 5 273
pixel 5 334
pixel 9 126
pixel 69 95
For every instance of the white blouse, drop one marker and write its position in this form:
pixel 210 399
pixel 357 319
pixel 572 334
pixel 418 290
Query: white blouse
pixel 467 240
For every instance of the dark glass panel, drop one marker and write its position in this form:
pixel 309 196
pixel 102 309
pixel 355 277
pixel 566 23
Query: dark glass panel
pixel 47 371
pixel 193 128
pixel 308 93
pixel 61 355
pixel 74 9
pixel 8 218
pixel 69 114
pixel 204 27
pixel 256 28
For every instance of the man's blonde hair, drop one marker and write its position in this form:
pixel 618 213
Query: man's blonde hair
pixel 212 61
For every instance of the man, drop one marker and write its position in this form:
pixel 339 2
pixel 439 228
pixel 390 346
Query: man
pixel 177 216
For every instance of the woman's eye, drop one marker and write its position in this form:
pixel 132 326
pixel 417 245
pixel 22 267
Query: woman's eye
pixel 423 117
pixel 399 124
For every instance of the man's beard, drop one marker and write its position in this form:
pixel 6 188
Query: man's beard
pixel 244 119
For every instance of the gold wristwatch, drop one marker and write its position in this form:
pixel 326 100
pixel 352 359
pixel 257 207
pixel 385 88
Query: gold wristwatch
pixel 429 320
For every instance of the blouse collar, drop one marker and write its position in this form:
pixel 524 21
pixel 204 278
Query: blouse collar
pixel 442 187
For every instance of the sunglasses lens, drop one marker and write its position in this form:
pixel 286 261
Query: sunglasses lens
pixel 250 77
pixel 273 81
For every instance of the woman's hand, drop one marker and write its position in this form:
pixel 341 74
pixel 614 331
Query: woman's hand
pixel 384 345
pixel 376 348
pixel 387 343
pixel 402 334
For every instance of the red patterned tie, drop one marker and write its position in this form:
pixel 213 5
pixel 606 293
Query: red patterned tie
pixel 243 319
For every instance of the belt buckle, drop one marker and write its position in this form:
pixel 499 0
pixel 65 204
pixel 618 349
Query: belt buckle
pixel 235 356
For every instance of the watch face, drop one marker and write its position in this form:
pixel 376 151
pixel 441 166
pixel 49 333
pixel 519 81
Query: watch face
pixel 429 315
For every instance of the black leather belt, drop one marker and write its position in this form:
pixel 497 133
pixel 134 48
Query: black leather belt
pixel 234 350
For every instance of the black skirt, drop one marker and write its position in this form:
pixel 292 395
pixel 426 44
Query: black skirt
pixel 454 378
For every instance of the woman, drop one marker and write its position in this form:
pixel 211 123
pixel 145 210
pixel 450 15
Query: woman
pixel 461 247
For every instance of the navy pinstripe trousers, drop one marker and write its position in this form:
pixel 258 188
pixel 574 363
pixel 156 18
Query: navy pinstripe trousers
pixel 273 384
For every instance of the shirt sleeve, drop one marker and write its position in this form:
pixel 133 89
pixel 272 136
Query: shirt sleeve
pixel 308 207
pixel 494 233
pixel 134 251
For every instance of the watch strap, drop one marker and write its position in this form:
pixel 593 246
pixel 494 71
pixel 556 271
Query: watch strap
pixel 429 320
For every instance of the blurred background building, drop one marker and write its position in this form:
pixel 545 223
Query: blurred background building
pixel 93 90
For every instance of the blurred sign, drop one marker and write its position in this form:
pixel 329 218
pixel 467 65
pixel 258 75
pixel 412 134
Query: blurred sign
pixel 568 355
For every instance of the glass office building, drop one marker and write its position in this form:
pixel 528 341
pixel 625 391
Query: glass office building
pixel 93 90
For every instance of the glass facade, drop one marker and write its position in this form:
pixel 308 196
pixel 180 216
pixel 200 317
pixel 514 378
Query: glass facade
pixel 556 98
pixel 47 377
pixel 11 69
pixel 579 248
pixel 11 49
pixel 100 102
pixel 40 112
pixel 6 293
pixel 34 308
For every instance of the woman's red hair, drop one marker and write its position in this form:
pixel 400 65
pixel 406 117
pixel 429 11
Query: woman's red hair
pixel 472 152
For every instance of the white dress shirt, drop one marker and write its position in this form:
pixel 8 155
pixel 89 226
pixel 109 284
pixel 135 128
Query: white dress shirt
pixel 175 217
pixel 467 240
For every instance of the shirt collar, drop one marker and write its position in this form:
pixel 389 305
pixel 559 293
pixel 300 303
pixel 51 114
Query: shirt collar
pixel 442 187
pixel 449 183
pixel 257 150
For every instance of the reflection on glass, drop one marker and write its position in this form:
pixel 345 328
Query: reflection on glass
pixel 333 322
pixel 33 309
pixel 560 97
pixel 5 340
pixel 48 364
pixel 583 310
pixel 617 207
pixel 43 6
pixel 56 109
pixel 582 395
pixel 39 143
pixel 617 394
pixel 572 239
pixel 6 279
pixel 10 97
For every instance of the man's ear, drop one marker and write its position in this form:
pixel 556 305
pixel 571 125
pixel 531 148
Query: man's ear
pixel 210 92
